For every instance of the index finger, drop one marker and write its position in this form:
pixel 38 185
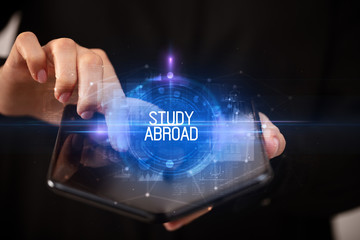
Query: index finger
pixel 113 105
pixel 27 50
pixel 111 88
pixel 62 53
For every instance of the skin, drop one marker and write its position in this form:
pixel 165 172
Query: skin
pixel 63 72
pixel 63 67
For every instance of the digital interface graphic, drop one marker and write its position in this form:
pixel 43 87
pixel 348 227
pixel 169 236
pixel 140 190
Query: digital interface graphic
pixel 179 144
pixel 175 135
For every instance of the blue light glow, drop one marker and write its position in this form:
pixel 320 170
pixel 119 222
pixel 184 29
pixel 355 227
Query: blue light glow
pixel 173 135
pixel 170 75
pixel 169 163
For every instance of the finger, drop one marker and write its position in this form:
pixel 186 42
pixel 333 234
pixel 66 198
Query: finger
pixel 174 225
pixel 117 117
pixel 90 73
pixel 27 50
pixel 111 89
pixel 114 106
pixel 62 54
pixel 274 140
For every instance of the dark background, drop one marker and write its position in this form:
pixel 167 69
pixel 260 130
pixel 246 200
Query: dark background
pixel 300 60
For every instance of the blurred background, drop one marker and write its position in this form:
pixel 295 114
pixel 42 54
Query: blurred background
pixel 299 59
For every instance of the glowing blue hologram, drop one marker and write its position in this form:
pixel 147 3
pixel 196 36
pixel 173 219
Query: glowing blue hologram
pixel 117 120
pixel 170 75
pixel 178 138
pixel 161 90
pixel 177 128
pixel 169 163
pixel 118 131
pixel 196 99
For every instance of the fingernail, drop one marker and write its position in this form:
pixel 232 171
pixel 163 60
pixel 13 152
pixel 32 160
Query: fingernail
pixel 41 76
pixel 64 97
pixel 86 115
pixel 276 144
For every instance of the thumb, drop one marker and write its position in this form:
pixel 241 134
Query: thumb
pixel 274 140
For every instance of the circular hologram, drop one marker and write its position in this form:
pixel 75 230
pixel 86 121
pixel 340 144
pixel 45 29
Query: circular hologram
pixel 169 163
pixel 170 75
pixel 173 135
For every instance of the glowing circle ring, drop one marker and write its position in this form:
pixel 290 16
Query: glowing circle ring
pixel 169 157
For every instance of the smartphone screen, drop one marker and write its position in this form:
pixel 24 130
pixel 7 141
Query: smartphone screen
pixel 169 148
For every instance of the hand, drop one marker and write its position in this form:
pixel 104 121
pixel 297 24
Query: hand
pixel 38 81
pixel 33 74
pixel 274 146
